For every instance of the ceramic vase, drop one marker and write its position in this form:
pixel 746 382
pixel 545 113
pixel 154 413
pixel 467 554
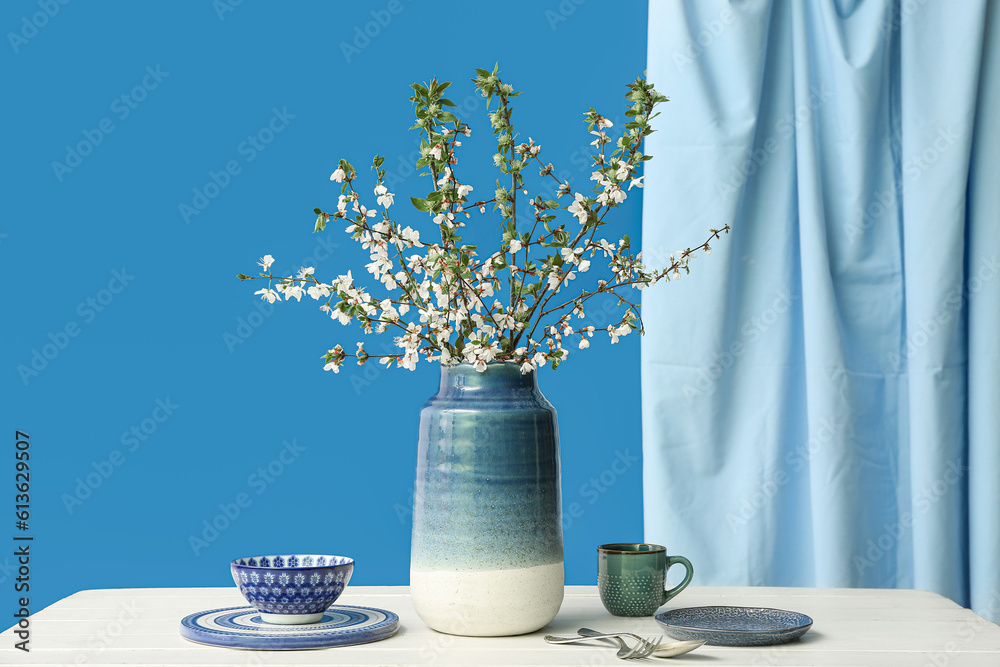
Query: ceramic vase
pixel 487 552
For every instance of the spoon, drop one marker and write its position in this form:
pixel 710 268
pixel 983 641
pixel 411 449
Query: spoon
pixel 662 651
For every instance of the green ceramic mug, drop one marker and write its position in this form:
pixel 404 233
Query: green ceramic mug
pixel 631 578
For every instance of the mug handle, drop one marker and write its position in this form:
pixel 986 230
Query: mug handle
pixel 671 560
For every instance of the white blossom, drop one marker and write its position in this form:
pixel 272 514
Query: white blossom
pixel 266 261
pixel 411 236
pixel 318 291
pixel 578 208
pixel 385 198
pixel 615 332
pixel 338 175
pixel 292 291
pixel 269 294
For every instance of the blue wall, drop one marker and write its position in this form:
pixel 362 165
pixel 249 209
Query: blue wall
pixel 133 318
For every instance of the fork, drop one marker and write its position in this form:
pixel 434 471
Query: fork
pixel 643 649
pixel 669 650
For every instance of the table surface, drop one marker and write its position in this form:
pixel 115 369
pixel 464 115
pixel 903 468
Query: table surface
pixel 868 627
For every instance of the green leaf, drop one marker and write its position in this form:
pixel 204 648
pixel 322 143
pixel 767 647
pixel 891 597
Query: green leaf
pixel 445 102
pixel 447 117
pixel 317 211
pixel 320 223
pixel 420 204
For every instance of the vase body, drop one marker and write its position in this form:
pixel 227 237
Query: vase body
pixel 487 552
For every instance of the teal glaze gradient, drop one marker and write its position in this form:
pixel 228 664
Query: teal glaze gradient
pixel 487 493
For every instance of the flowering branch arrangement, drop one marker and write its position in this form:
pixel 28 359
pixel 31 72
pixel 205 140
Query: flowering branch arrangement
pixel 442 298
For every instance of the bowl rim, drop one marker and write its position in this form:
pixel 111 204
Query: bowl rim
pixel 235 562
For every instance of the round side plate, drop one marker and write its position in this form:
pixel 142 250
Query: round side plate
pixel 242 627
pixel 734 626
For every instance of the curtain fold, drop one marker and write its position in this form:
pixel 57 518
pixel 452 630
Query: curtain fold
pixel 821 395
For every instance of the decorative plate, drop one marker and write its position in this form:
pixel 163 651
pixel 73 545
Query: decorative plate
pixel 735 626
pixel 242 627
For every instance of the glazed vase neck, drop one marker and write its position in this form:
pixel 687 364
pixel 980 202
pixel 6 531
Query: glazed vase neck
pixel 463 380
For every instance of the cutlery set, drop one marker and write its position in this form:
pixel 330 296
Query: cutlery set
pixel 644 648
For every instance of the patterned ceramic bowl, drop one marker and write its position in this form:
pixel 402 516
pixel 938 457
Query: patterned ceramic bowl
pixel 292 588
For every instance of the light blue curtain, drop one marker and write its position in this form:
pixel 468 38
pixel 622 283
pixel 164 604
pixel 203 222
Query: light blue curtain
pixel 821 396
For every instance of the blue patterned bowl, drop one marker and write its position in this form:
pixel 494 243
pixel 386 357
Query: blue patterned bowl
pixel 293 588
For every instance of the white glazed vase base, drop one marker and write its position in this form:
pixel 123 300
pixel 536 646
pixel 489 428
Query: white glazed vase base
pixel 488 603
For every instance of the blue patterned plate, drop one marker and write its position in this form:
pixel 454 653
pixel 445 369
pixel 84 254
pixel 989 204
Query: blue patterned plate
pixel 734 626
pixel 242 627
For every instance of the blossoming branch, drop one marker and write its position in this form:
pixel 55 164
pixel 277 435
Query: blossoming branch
pixel 442 300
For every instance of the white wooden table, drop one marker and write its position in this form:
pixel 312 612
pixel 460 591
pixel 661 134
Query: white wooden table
pixel 851 627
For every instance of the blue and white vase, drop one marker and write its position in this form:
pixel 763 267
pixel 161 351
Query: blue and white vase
pixel 487 556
